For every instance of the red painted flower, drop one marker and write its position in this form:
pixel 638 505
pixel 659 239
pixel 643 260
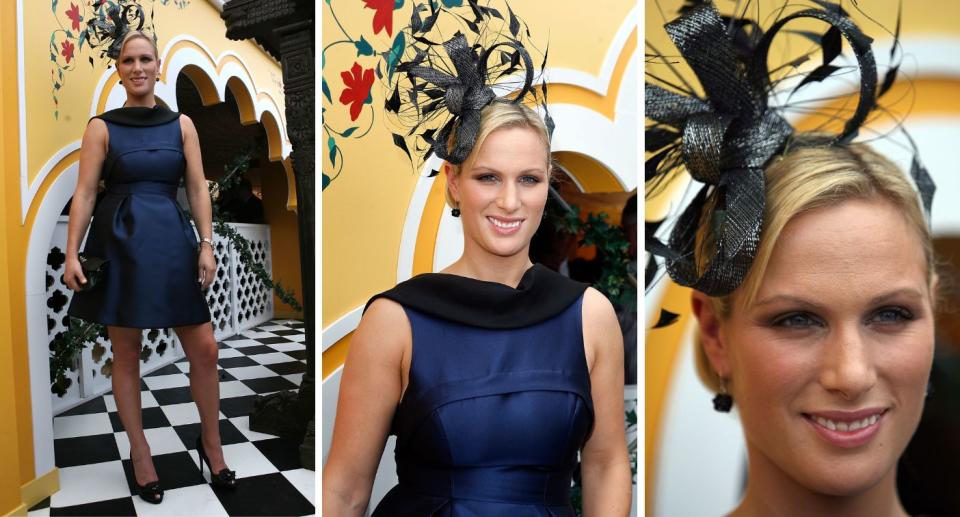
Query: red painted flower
pixel 74 14
pixel 383 18
pixel 358 83
pixel 67 50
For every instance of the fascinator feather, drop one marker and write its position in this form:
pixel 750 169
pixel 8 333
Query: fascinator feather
pixel 438 86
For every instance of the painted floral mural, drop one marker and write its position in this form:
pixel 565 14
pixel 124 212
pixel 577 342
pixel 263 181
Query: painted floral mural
pixel 354 83
pixel 90 30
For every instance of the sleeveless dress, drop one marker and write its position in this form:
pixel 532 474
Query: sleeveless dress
pixel 497 408
pixel 151 278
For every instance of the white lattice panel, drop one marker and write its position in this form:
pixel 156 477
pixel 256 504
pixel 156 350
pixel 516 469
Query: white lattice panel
pixel 253 302
pixel 219 294
pixel 58 300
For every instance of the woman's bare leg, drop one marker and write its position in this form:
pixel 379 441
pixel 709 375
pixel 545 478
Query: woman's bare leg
pixel 202 352
pixel 125 378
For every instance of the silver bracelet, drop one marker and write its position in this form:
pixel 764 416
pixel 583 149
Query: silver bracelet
pixel 207 240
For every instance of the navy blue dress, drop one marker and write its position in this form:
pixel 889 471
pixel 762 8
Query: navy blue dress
pixel 151 278
pixel 492 418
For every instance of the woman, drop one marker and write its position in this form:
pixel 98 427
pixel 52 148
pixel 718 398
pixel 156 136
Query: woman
pixel 826 346
pixel 155 274
pixel 492 373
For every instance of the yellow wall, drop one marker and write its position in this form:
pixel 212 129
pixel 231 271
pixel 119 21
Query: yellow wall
pixel 285 251
pixel 15 447
pixel 45 136
pixel 364 208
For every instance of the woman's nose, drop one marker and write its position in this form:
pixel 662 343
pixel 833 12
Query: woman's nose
pixel 509 199
pixel 847 366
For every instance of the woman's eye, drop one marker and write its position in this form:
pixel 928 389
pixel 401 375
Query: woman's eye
pixel 796 320
pixel 892 316
pixel 529 180
pixel 487 178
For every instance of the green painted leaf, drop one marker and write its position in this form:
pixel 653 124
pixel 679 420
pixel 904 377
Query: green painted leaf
pixel 332 146
pixel 53 6
pixel 396 50
pixel 331 143
pixel 363 47
pixel 348 132
pixel 326 91
pixel 452 3
pixel 326 179
pixel 397 4
pixel 369 99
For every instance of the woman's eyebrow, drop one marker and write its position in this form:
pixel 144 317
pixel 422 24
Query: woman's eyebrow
pixel 770 300
pixel 493 169
pixel 908 292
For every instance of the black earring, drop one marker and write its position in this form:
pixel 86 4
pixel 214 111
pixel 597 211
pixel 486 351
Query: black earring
pixel 455 212
pixel 121 81
pixel 723 401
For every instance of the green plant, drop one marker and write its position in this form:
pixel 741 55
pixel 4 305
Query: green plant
pixel 616 282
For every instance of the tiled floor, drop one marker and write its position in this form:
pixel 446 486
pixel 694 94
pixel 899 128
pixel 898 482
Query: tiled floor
pixel 92 451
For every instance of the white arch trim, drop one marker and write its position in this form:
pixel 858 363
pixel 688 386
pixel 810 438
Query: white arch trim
pixel 340 328
pixel 599 83
pixel 38 351
pixel 166 90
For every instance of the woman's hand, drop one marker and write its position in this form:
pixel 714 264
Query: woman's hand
pixel 207 266
pixel 73 274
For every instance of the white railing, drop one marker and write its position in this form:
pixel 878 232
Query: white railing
pixel 237 301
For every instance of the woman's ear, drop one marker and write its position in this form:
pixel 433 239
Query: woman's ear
pixel 711 338
pixel 453 181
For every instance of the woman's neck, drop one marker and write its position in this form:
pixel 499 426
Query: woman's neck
pixel 491 268
pixel 146 101
pixel 771 492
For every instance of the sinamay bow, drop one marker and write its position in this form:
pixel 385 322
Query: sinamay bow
pixel 725 139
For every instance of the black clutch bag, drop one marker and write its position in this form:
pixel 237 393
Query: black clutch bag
pixel 94 269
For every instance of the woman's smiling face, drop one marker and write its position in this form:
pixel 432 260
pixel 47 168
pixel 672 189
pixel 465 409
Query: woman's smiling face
pixel 502 191
pixel 138 67
pixel 829 365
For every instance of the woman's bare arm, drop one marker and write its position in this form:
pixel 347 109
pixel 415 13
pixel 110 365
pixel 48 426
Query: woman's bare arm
pixel 371 387
pixel 93 150
pixel 198 195
pixel 605 468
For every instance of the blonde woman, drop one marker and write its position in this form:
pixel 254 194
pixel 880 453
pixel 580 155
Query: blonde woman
pixel 494 373
pixel 155 274
pixel 827 345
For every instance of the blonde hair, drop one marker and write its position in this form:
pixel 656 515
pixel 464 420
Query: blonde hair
pixel 805 179
pixel 498 115
pixel 134 34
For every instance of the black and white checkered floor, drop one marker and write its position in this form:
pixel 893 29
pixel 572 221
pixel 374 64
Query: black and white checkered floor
pixel 92 450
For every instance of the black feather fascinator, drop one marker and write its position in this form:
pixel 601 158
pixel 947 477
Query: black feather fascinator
pixel 725 133
pixel 457 60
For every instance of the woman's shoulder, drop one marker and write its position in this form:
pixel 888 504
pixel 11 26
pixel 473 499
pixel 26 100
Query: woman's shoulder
pixel 383 313
pixel 601 329
pixel 596 306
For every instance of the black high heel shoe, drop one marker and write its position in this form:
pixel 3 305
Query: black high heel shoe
pixel 151 492
pixel 226 478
